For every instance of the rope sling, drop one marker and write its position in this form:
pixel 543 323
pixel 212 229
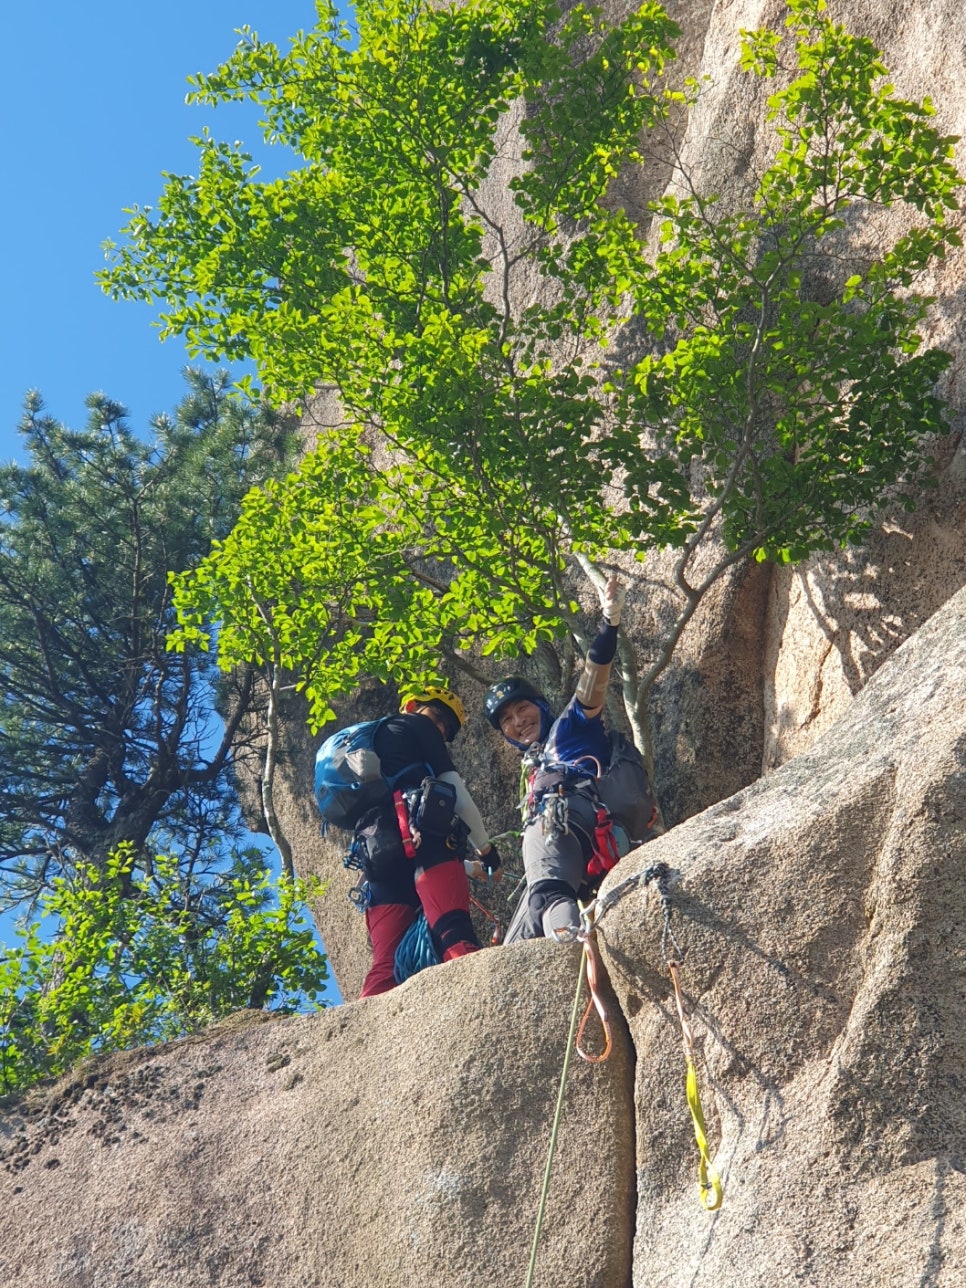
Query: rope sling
pixel 709 1184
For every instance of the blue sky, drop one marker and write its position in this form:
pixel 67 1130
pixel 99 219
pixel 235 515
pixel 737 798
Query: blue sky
pixel 96 112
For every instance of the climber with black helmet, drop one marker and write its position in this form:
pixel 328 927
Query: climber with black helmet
pixel 565 826
pixel 412 750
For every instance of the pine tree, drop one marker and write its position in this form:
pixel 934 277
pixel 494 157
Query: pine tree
pixel 105 735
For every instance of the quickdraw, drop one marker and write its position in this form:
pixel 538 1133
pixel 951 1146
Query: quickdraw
pixel 709 1183
pixel 591 916
pixel 356 855
pixel 554 813
pixel 497 935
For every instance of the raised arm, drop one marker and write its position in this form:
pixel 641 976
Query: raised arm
pixel 593 682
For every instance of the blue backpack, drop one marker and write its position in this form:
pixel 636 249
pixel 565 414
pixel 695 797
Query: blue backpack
pixel 348 775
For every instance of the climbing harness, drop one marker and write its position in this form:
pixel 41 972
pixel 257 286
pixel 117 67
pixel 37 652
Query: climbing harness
pixel 546 789
pixel 545 784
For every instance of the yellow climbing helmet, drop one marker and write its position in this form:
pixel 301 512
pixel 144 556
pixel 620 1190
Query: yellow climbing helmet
pixel 444 700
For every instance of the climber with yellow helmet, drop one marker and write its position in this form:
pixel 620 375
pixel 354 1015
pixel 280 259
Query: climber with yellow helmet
pixel 416 846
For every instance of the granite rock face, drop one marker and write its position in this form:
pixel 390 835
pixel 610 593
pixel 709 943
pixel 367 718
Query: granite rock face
pixel 404 1139
pixel 823 915
pixel 400 1140
pixel 774 656
pixel 811 757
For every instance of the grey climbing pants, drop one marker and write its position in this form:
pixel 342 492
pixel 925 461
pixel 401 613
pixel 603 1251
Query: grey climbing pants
pixel 557 845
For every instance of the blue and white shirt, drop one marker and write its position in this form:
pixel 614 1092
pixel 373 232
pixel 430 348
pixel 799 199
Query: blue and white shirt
pixel 577 742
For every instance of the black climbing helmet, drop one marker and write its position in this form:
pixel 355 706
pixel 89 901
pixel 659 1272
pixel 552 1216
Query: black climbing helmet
pixel 511 689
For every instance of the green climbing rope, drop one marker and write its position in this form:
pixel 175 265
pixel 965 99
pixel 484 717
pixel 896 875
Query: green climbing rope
pixel 541 1209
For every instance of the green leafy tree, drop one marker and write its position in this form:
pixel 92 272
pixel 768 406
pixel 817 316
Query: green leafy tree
pixel 724 381
pixel 106 736
pixel 130 953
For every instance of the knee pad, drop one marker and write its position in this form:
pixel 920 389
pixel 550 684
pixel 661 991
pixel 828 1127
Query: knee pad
pixel 561 920
pixel 552 906
pixel 444 892
pixel 452 929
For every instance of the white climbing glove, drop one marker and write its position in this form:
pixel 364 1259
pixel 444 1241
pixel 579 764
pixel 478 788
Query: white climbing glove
pixel 612 600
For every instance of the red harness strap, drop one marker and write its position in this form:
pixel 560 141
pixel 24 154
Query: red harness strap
pixel 606 854
pixel 402 818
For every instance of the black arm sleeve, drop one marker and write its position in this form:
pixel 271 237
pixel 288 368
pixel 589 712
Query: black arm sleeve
pixel 604 647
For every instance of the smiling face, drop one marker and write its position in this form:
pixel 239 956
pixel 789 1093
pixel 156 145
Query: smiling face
pixel 520 721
